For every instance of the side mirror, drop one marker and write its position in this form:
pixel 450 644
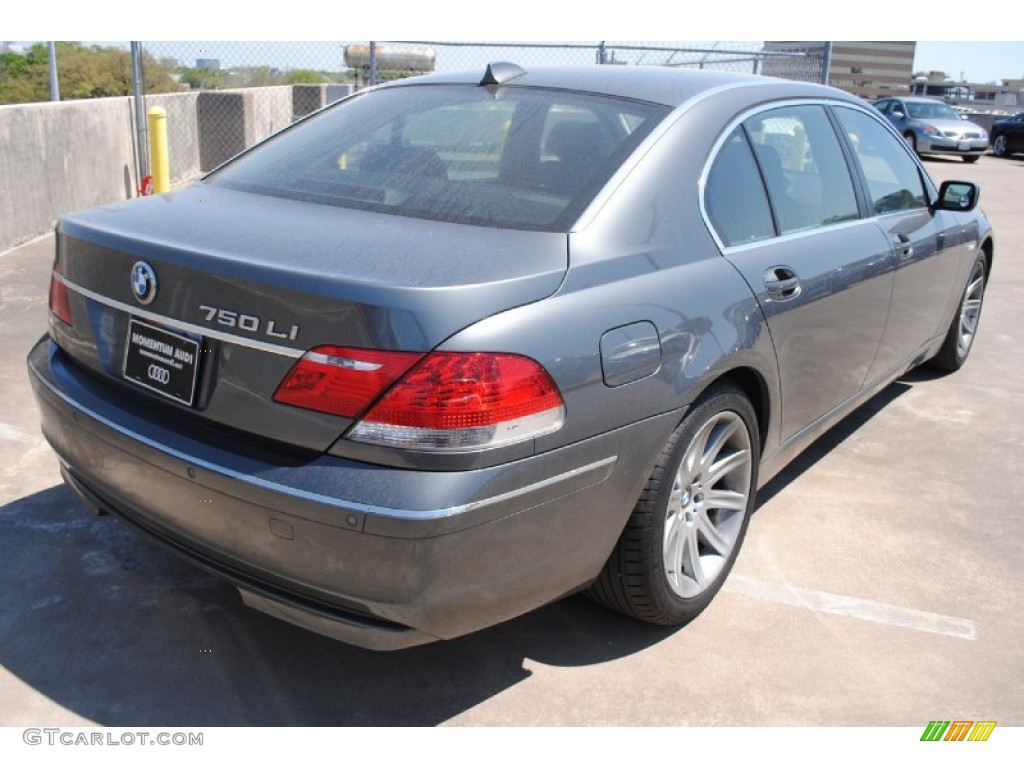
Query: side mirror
pixel 957 196
pixel 897 112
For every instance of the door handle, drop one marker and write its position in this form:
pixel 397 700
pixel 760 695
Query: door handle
pixel 904 248
pixel 782 283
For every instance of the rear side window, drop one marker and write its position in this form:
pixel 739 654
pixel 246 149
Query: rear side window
pixel 808 181
pixel 734 196
pixel 520 158
pixel 894 182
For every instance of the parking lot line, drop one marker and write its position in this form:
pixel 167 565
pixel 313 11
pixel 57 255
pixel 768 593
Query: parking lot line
pixel 854 607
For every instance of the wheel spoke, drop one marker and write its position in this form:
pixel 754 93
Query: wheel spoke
pixel 721 434
pixel 690 557
pixel 720 498
pixel 712 536
pixel 675 536
pixel 675 498
pixel 724 466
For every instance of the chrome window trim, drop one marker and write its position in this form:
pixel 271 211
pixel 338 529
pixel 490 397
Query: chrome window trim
pixel 788 237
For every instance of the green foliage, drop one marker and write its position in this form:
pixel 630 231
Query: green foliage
pixel 86 72
pixel 201 79
pixel 307 76
pixel 82 73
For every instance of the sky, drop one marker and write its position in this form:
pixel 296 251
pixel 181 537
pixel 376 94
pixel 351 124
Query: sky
pixel 979 60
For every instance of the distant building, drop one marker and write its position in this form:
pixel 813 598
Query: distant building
pixel 1009 95
pixel 867 69
pixel 212 64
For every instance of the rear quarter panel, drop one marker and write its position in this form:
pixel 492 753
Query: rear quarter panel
pixel 644 257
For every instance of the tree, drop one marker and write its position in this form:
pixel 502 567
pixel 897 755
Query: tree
pixel 83 73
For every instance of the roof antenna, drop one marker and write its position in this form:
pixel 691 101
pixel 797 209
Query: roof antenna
pixel 499 72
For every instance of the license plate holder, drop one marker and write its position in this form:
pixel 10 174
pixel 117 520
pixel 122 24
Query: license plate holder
pixel 965 146
pixel 161 361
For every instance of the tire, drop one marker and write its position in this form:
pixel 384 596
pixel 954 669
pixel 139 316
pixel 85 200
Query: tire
pixel 964 327
pixel 685 532
pixel 911 140
pixel 971 158
pixel 1000 147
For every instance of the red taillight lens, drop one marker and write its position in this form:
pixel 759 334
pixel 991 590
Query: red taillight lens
pixel 444 401
pixel 59 304
pixel 453 391
pixel 455 401
pixel 342 380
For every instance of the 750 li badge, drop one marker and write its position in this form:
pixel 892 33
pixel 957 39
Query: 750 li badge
pixel 249 323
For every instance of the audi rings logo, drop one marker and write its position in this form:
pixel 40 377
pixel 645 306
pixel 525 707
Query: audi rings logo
pixel 143 282
pixel 158 373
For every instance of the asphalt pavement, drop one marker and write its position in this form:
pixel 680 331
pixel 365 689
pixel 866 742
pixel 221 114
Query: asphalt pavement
pixel 879 583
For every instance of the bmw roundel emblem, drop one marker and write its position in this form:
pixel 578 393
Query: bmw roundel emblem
pixel 143 282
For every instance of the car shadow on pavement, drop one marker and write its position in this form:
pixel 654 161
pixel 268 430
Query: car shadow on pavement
pixel 114 628
pixel 834 437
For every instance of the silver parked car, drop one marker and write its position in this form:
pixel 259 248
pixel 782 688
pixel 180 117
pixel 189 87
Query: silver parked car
pixel 463 344
pixel 932 127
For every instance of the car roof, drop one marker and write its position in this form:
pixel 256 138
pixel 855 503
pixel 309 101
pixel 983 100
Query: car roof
pixel 659 85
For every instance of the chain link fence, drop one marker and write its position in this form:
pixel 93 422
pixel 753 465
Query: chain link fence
pixel 224 96
pixel 794 61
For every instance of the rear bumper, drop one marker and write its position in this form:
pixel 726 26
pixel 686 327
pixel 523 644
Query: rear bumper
pixel 375 556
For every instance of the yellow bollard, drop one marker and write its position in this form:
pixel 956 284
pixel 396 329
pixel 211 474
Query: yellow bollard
pixel 158 149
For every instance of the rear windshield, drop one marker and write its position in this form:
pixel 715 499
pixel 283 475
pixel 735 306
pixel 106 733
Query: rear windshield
pixel 520 158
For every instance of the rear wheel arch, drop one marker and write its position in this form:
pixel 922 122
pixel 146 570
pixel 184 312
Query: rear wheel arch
pixel 755 388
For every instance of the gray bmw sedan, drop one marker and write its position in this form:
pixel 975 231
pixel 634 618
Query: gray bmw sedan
pixel 460 345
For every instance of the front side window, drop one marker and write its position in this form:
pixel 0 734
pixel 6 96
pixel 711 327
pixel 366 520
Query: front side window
pixel 521 158
pixel 808 181
pixel 894 182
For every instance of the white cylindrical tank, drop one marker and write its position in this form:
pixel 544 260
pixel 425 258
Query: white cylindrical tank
pixel 409 59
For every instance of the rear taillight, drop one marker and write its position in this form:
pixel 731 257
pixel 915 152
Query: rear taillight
pixel 444 401
pixel 342 381
pixel 457 401
pixel 59 304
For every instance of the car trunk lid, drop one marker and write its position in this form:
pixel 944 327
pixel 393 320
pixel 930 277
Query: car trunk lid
pixel 249 283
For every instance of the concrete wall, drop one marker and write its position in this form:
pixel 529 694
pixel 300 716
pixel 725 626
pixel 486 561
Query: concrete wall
pixel 309 98
pixel 57 157
pixel 230 121
pixel 271 111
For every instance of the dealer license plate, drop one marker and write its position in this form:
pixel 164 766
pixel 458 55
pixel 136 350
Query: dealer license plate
pixel 161 361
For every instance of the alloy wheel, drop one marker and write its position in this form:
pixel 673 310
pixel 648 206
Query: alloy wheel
pixel 970 309
pixel 707 504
